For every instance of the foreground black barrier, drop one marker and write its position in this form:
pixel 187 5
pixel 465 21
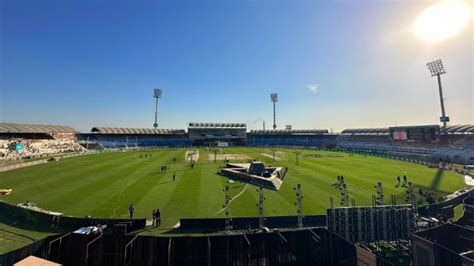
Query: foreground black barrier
pixel 64 222
pixel 301 247
pixel 443 245
pixel 468 217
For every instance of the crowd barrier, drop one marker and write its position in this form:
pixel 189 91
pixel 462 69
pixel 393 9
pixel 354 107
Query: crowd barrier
pixel 21 165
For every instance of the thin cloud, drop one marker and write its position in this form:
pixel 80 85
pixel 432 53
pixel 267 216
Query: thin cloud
pixel 313 88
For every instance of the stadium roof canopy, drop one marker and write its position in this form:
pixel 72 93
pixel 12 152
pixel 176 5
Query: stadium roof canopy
pixel 460 129
pixel 137 131
pixel 371 131
pixel 217 125
pixel 290 132
pixel 36 129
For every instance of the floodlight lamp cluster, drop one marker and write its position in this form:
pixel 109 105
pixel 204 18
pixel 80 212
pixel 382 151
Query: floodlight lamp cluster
pixel 436 68
pixel 157 93
pixel 274 97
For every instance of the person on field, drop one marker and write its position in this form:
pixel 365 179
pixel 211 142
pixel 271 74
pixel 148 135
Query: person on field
pixel 398 181
pixel 158 217
pixel 153 217
pixel 131 209
pixel 174 177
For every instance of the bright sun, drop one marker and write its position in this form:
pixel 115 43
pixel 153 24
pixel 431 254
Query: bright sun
pixel 442 21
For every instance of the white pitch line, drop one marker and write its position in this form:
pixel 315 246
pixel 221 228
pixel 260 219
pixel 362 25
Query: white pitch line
pixel 120 196
pixel 236 196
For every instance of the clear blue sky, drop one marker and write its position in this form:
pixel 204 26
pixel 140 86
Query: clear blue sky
pixel 95 63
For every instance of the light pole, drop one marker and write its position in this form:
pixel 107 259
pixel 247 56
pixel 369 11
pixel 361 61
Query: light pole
pixel 297 153
pixel 380 195
pixel 156 95
pixel 274 98
pixel 344 196
pixel 436 68
pixel 261 199
pixel 299 205
pixel 227 200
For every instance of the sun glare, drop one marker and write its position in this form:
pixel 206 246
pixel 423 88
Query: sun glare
pixel 442 21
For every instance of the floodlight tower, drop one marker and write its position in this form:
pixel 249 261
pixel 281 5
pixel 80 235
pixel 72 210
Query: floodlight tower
pixel 437 69
pixel 274 98
pixel 156 95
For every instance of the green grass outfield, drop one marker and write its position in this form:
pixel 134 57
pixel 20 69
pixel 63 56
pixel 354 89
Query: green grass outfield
pixel 104 185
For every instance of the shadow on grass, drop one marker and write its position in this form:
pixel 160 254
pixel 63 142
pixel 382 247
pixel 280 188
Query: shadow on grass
pixel 164 182
pixel 437 179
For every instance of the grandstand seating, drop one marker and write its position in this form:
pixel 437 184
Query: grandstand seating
pixel 299 138
pixel 113 138
pixel 453 154
pixel 454 147
pixel 33 147
pixel 36 140
pixel 114 142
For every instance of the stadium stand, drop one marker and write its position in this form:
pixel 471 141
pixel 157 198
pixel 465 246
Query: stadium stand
pixel 206 134
pixel 377 140
pixel 21 140
pixel 454 146
pixel 114 137
pixel 457 145
pixel 296 138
